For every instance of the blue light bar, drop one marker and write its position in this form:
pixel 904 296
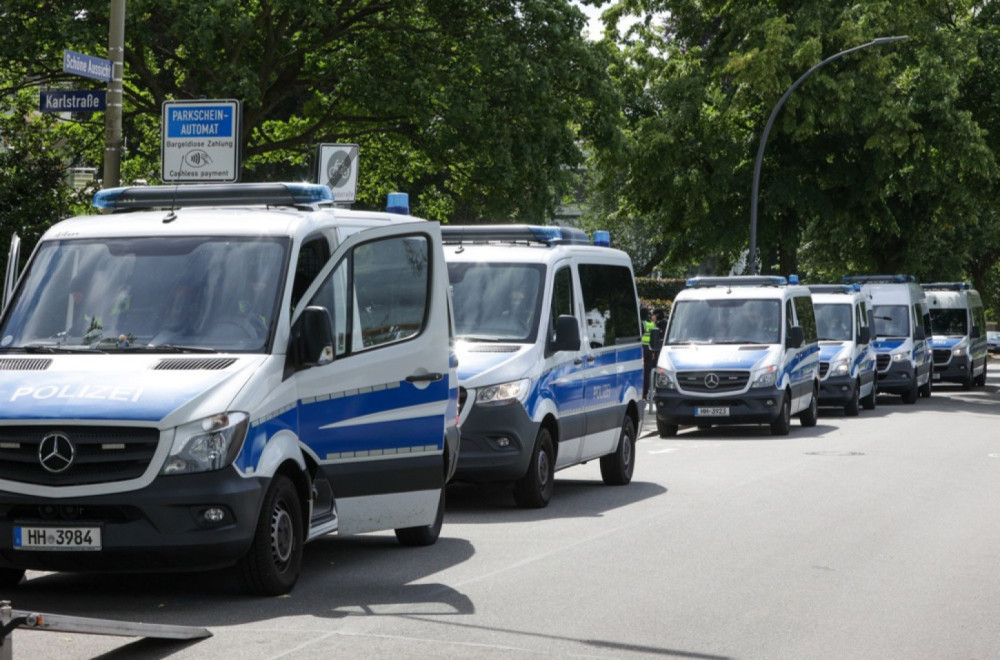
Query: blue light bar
pixel 878 279
pixel 514 234
pixel 947 286
pixel 211 194
pixel 834 288
pixel 738 280
pixel 602 238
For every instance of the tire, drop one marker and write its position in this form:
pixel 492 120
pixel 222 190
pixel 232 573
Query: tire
pixel 869 402
pixel 783 424
pixel 810 415
pixel 927 388
pixel 852 408
pixel 272 564
pixel 618 466
pixel 11 577
pixel 910 395
pixel 534 489
pixel 423 534
pixel 665 430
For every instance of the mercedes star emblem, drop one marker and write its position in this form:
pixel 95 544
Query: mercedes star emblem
pixel 712 381
pixel 56 452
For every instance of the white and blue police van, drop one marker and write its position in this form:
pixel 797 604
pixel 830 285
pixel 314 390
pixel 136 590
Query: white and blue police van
pixel 958 333
pixel 901 334
pixel 214 375
pixel 846 358
pixel 739 350
pixel 549 353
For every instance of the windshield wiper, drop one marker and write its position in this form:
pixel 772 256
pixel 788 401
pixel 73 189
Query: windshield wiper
pixel 168 348
pixel 55 349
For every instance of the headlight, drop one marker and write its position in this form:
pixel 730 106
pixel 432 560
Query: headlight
pixel 959 352
pixel 767 377
pixel 899 357
pixel 208 444
pixel 504 393
pixel 840 367
pixel 664 380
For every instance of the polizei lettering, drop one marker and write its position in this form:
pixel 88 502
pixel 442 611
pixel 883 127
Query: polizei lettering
pixel 91 392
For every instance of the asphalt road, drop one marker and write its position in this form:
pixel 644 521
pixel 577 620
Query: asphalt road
pixel 868 537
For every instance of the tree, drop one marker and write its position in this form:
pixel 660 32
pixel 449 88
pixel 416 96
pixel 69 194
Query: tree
pixel 473 107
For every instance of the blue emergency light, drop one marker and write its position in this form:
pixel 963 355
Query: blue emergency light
pixel 398 202
pixel 212 194
pixel 738 280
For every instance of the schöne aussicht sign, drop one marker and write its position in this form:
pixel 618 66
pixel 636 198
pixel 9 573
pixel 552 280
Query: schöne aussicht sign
pixel 201 140
pixel 88 66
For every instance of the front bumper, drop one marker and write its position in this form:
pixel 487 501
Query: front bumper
pixel 957 369
pixel 757 406
pixel 836 390
pixel 897 379
pixel 152 529
pixel 483 456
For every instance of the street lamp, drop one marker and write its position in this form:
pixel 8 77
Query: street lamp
pixel 767 130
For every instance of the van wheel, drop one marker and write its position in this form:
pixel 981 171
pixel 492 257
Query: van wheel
pixel 271 566
pixel 424 534
pixel 810 415
pixel 852 407
pixel 868 402
pixel 665 430
pixel 618 466
pixel 11 577
pixel 783 424
pixel 910 395
pixel 926 388
pixel 534 489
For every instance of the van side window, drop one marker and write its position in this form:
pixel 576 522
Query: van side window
pixel 562 298
pixel 378 293
pixel 807 317
pixel 312 257
pixel 789 317
pixel 610 305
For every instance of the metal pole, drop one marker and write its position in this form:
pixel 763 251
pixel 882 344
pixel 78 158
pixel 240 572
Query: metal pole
pixel 767 131
pixel 113 112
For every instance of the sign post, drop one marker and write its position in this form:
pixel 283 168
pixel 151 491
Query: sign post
pixel 338 169
pixel 201 141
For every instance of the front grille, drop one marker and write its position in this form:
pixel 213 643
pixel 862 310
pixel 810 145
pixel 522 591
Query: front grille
pixel 102 454
pixel 193 364
pixel 942 355
pixel 882 361
pixel 701 381
pixel 823 368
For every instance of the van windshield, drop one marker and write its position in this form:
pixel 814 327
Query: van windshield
pixel 148 293
pixel 833 321
pixel 728 321
pixel 949 321
pixel 496 302
pixel 892 320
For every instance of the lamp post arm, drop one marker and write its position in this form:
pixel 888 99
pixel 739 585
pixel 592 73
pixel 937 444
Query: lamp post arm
pixel 767 131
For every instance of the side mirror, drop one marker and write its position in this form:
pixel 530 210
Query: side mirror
pixel 864 335
pixel 312 338
pixel 919 333
pixel 976 333
pixel 567 334
pixel 795 338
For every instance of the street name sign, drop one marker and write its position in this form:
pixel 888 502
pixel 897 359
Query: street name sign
pixel 88 66
pixel 201 140
pixel 89 100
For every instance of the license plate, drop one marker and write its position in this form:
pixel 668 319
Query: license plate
pixel 57 538
pixel 711 412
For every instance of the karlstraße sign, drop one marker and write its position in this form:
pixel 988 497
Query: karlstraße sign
pixel 90 100
pixel 88 66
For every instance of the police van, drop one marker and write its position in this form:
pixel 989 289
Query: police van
pixel 213 375
pixel 846 358
pixel 958 333
pixel 901 331
pixel 739 350
pixel 550 355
